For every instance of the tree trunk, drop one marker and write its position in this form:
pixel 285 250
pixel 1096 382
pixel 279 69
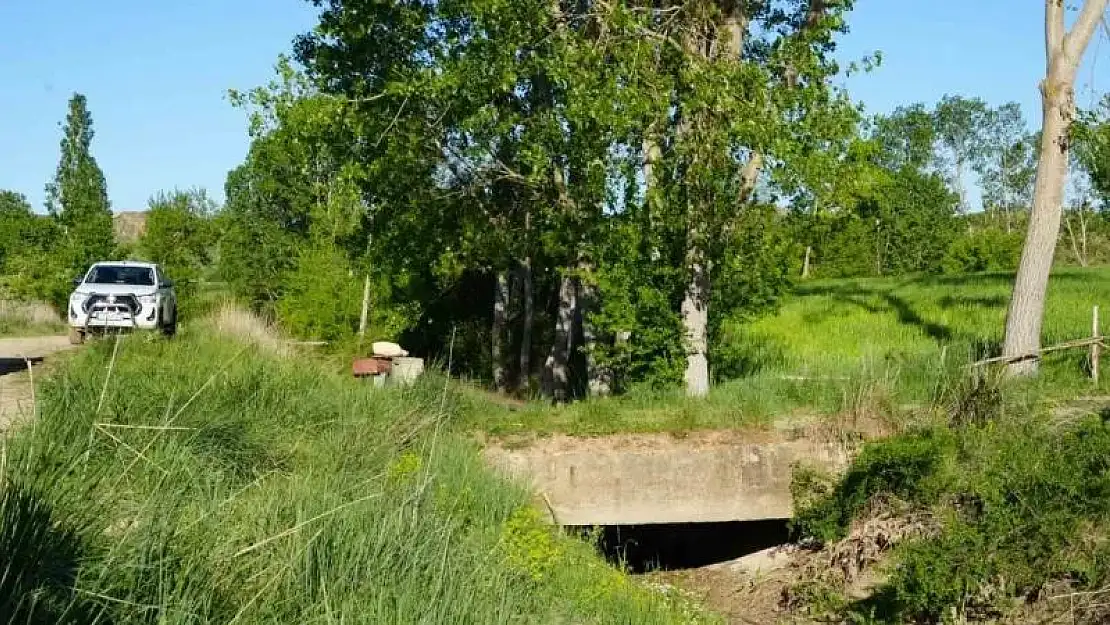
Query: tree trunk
pixel 805 261
pixel 1063 51
pixel 500 327
pixel 599 379
pixel 1074 245
pixel 527 305
pixel 695 320
pixel 960 185
pixel 652 154
pixel 1083 233
pixel 558 358
pixel 365 314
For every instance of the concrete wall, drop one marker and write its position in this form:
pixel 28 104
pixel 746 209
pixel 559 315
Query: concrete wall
pixel 593 482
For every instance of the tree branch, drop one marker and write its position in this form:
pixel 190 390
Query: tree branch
pixel 1075 42
pixel 1053 30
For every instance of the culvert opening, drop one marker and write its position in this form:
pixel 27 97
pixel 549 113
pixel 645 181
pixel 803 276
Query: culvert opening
pixel 678 546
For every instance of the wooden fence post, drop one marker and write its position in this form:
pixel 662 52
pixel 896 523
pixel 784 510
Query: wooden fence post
pixel 1096 345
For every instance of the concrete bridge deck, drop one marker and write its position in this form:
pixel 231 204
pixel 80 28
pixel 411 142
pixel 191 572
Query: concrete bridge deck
pixel 646 479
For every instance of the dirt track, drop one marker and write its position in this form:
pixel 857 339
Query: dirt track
pixel 15 380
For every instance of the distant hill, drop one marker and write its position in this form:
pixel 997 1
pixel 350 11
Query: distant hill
pixel 129 226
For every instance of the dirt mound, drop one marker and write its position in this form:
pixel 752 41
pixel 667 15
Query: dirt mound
pixel 129 226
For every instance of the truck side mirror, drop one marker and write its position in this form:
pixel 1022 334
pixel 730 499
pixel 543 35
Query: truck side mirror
pixel 77 281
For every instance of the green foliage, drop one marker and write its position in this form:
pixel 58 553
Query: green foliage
pixel 914 221
pixel 322 299
pixel 984 249
pixel 180 236
pixel 1091 147
pixel 1021 503
pixel 914 468
pixel 22 232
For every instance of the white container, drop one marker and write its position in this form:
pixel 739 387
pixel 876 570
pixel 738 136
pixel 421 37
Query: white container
pixel 405 370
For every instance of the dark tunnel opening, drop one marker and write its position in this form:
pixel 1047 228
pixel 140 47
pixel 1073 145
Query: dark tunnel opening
pixel 678 546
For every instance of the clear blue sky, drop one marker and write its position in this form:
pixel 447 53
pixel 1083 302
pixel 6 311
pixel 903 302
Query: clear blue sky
pixel 156 74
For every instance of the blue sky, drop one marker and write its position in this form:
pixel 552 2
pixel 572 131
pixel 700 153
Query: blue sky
pixel 156 74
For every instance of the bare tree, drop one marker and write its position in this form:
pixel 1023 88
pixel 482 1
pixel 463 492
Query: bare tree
pixel 1064 51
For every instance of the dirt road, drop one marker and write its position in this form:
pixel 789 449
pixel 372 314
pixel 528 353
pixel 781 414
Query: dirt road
pixel 15 380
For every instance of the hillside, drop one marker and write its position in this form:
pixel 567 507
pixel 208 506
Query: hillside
pixel 129 225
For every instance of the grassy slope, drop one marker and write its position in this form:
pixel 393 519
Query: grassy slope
pixel 846 346
pixel 281 495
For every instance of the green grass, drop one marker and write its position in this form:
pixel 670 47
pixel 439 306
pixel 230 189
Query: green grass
pixel 206 482
pixel 884 348
pixel 841 325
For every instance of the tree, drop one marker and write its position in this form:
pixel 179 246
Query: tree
pixel 16 219
pixel 1091 149
pixel 1063 51
pixel 961 125
pixel 179 235
pixel 78 196
pixel 1008 166
pixel 907 138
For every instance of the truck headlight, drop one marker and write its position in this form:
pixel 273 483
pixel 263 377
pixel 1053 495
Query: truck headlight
pixel 148 299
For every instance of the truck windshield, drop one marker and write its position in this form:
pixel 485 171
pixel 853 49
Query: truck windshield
pixel 116 274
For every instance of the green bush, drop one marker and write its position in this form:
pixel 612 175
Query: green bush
pixel 986 249
pixel 1022 504
pixel 914 468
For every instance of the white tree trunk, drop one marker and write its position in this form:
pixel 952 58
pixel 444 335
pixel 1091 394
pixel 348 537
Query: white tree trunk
pixel 365 314
pixel 1064 51
pixel 805 261
pixel 558 358
pixel 695 320
pixel 499 330
pixel 1080 258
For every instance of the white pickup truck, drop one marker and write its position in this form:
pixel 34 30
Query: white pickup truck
pixel 122 295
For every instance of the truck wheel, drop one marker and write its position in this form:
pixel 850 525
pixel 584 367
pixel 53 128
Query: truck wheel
pixel 76 336
pixel 170 329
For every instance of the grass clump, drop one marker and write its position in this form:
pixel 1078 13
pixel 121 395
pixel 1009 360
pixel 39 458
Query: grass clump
pixel 212 482
pixel 1022 511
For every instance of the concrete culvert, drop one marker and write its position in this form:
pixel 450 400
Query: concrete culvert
pixel 680 546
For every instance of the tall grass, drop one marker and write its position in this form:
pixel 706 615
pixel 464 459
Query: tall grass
pixel 211 482
pixel 28 319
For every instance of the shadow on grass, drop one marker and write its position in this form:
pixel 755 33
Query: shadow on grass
pixel 865 296
pixel 986 301
pixel 41 555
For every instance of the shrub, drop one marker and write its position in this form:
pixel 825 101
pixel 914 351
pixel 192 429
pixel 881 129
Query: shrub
pixel 912 467
pixel 986 249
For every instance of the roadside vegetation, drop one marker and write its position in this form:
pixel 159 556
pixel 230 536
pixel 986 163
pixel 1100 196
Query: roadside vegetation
pixel 205 480
pixel 991 512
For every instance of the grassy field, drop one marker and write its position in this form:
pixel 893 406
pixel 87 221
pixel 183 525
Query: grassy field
pixel 29 319
pixel 203 481
pixel 866 347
